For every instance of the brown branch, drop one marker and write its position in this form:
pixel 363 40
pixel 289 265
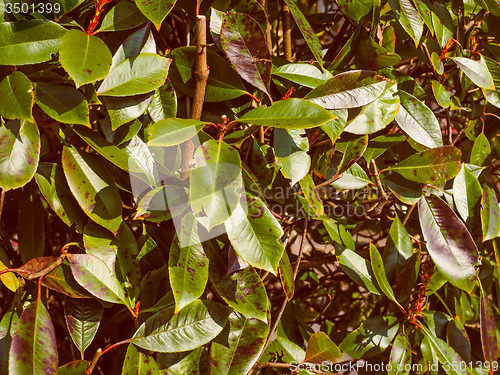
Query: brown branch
pixel 268 26
pixel 47 269
pixel 377 180
pixel 287 31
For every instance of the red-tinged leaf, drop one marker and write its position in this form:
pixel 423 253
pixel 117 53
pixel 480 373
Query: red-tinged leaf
pixel 448 242
pixel 74 368
pixel 490 213
pixel 321 349
pixel 434 166
pixel 244 43
pixel 35 265
pixel 139 362
pixel 307 32
pixel 351 89
pixel 83 318
pixel 238 353
pixel 488 330
pixel 34 347
pixel 61 280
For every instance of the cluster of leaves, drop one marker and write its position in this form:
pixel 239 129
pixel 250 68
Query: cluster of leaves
pixel 340 207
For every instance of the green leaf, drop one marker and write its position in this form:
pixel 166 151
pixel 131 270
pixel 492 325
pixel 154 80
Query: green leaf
pixel 65 6
pixel 286 276
pixel 477 71
pixel 124 109
pixel 19 153
pixel 408 192
pixel 195 325
pixel 187 265
pixel 8 279
pixel 255 235
pixel 307 32
pixel 449 243
pixel 334 128
pixel 136 75
pixel 34 347
pixel 321 349
pixel 245 340
pixel 74 367
pixel 339 234
pixel 93 187
pixel 397 251
pixel 96 277
pixel 358 269
pixel 352 150
pixel 123 16
pixel 490 213
pixel 353 177
pixel 380 276
pixel 418 121
pixel 244 44
pixel 291 149
pixel 355 10
pixel 16 91
pixel 312 195
pixel 378 114
pixel 62 103
pixel 458 338
pixel 466 194
pixel 400 358
pixel 62 281
pixel 437 63
pixel 86 58
pixel 31 229
pixel 351 89
pixel 141 41
pixel 182 363
pixel 303 74
pixel 83 317
pixel 242 289
pixel 29 42
pixel 154 205
pixel 480 150
pixel 409 18
pixel 290 113
pixel 173 131
pixel 441 94
pixel 372 337
pixel 488 329
pixel 215 183
pixel 164 103
pixel 139 362
pixel 434 166
pixel 155 10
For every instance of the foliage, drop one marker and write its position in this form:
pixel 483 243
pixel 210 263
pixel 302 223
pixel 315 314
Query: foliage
pixel 337 205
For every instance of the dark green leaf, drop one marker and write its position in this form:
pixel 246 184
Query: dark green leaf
pixel 75 367
pixel 358 269
pixel 286 276
pixel 123 16
pixel 122 110
pixel 31 229
pixel 16 91
pixel 139 362
pixel 490 213
pixel 409 18
pixel 156 10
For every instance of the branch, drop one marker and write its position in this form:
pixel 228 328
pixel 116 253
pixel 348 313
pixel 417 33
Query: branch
pixel 287 32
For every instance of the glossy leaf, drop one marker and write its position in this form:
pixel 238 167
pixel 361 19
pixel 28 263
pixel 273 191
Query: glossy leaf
pixel 480 150
pixel 136 75
pixel 74 368
pixel 92 187
pixel 490 213
pixel 409 18
pixel 182 363
pixel 244 43
pixel 123 16
pixel 488 329
pixel 34 347
pixel 303 74
pixel 29 42
pixel 8 279
pixel 62 103
pixel 290 114
pixel 19 153
pixel 355 9
pixel 321 349
pixel 16 91
pixel 164 103
pixel 441 94
pixel 477 71
pixel 83 318
pixel 398 249
pixel 155 10
pixel 449 243
pixel 141 41
pixel 86 58
pixel 139 362
pixel 124 109
pixel 237 349
pixel 173 131
pixel 312 196
pixel 434 166
pixel 62 281
pixel 195 325
pixel 352 150
pixel 466 194
pixel 400 358
pixel 358 269
pixel 351 89
pixel 418 121
pixel 291 152
pixel 372 337
pixel 255 235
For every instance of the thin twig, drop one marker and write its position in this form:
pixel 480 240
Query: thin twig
pixel 426 50
pixel 449 126
pixel 377 180
pixel 328 182
pixel 287 31
pixel 268 25
pixel 407 216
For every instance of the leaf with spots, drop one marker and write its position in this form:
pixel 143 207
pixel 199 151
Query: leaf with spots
pixel 307 31
pixel 136 75
pixel 62 281
pixel 449 243
pixel 490 213
pixel 237 348
pixel 86 58
pixel 286 276
pixel 400 357
pixel 187 265
pixel 139 362
pixel 16 91
pixel 93 187
pixel 488 329
pixel 352 150
pixel 477 71
pixel 255 234
pixel 155 10
pixel 195 325
pixel 74 368
pixel 311 195
pixel 242 289
pixel 409 18
pixel 418 121
pixel 244 43
pixel 480 150
pixel 33 349
pixel 83 317
pixel 19 153
pixel 434 166
pixel 321 349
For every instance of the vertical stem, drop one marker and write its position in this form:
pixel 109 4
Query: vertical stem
pixel 268 26
pixel 287 32
pixel 201 78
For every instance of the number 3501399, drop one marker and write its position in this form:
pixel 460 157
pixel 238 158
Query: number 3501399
pixel 34 7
